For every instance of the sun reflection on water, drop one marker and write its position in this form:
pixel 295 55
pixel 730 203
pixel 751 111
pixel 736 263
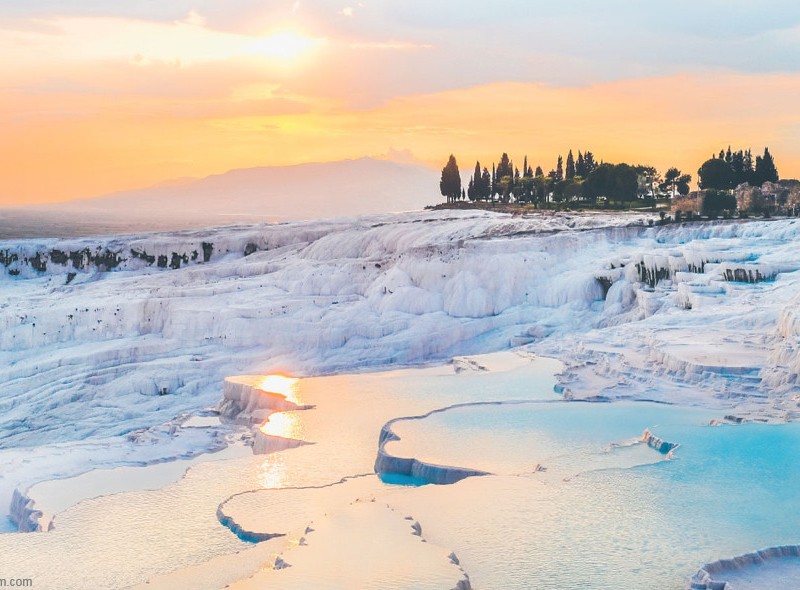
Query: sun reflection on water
pixel 282 385
pixel 283 424
pixel 272 473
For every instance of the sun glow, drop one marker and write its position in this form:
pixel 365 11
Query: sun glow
pixel 285 46
pixel 284 425
pixel 280 384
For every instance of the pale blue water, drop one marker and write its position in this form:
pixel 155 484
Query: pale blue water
pixel 569 437
pixel 608 516
pixel 399 479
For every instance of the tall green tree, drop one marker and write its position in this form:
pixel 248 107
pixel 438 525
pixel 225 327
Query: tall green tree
pixel 503 175
pixel 749 167
pixel 741 161
pixel 740 175
pixel 676 182
pixel 471 190
pixel 505 184
pixel 598 182
pixel 589 162
pixel 517 187
pixel 504 168
pixel 580 166
pixel 450 184
pixel 527 194
pixel 715 173
pixel 486 185
pixel 569 189
pixel 474 186
pixel 560 169
pixel 542 185
pixel 616 182
pixel 765 169
pixel 626 183
pixel 570 171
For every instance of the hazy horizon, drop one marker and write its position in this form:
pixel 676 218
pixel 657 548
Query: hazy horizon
pixel 363 186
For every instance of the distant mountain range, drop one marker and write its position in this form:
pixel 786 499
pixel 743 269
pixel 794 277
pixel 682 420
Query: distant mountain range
pixel 249 195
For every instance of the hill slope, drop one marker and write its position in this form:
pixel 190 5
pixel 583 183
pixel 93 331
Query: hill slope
pixel 303 191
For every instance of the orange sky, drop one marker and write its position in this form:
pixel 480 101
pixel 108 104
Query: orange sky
pixel 88 108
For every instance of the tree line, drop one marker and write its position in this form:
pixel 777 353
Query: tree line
pixel 585 179
pixel 730 169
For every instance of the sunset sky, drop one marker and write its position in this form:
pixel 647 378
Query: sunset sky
pixel 101 96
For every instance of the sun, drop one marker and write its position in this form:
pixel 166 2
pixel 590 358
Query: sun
pixel 285 46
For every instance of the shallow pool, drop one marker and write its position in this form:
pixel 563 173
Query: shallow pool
pixel 600 515
pixel 575 500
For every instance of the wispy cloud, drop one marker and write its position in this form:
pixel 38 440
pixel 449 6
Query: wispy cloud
pixel 143 91
pixel 390 45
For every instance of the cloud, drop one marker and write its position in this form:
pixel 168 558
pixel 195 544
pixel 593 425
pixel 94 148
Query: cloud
pixel 390 45
pixel 195 19
pixel 118 80
pixel 557 43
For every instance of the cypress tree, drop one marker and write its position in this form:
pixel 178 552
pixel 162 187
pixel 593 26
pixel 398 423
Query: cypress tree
pixel 539 171
pixel 560 169
pixel 589 163
pixel 749 167
pixel 504 179
pixel 516 185
pixel 737 163
pixel 570 165
pixel 768 172
pixel 504 168
pixel 450 184
pixel 474 187
pixel 486 185
pixel 580 167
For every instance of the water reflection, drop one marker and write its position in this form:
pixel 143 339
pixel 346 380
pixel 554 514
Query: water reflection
pixel 283 424
pixel 282 385
pixel 272 472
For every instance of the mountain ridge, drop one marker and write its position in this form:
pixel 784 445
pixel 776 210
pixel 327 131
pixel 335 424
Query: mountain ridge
pixel 361 186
